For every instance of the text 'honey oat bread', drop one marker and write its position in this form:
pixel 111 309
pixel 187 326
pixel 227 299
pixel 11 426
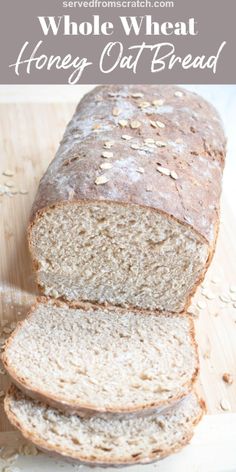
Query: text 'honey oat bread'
pixel 106 438
pixel 127 212
pixel 102 359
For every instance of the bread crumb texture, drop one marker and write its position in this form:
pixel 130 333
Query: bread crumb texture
pixel 109 238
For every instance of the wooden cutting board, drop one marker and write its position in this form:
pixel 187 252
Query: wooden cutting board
pixel 30 134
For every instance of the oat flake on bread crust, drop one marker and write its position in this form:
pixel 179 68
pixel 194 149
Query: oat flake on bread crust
pixel 116 242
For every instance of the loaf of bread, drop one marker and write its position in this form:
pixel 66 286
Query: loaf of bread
pixel 98 359
pixel 104 439
pixel 127 213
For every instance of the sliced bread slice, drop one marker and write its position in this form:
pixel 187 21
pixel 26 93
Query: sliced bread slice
pixel 106 438
pixel 143 238
pixel 100 359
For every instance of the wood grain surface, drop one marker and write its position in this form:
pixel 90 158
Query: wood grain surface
pixel 30 134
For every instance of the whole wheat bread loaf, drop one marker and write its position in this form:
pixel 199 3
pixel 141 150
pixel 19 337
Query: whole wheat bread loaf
pixel 102 359
pixel 104 439
pixel 127 213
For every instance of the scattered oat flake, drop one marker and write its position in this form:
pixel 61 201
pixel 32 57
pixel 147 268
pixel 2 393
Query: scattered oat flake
pixel 160 143
pixel 106 165
pixel 6 468
pixel 23 191
pixel 8 173
pixel 9 453
pixel 135 124
pixel 108 144
pixel 224 298
pixel 137 95
pixel 178 93
pixel 107 154
pixel 163 170
pixel 210 295
pixel 225 405
pixel 116 111
pixel 123 123
pixel 158 103
pixel 201 304
pixel 194 312
pixel 149 189
pixel 28 450
pixel 215 280
pixel 140 170
pixel 14 191
pixel 126 137
pixel 160 124
pixel 7 330
pixel 135 146
pixel 232 288
pixel 227 378
pixel 203 291
pixel 144 104
pixel 207 354
pixel 9 184
pixel 101 180
pixel 174 175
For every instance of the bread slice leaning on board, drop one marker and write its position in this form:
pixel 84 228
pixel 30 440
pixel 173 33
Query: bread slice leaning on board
pixel 99 359
pixel 128 211
pixel 104 439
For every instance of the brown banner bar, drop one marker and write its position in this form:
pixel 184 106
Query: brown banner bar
pixel 123 41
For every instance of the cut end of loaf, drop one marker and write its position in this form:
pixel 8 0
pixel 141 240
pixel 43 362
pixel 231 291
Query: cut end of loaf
pixel 102 359
pixel 104 439
pixel 123 255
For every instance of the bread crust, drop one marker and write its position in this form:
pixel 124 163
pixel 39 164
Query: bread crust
pixel 66 453
pixel 82 408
